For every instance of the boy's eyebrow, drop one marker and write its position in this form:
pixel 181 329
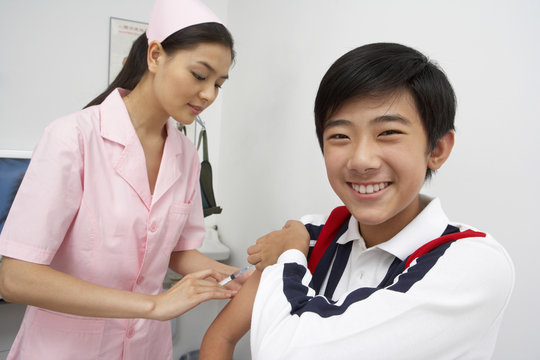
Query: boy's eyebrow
pixel 378 119
pixel 207 65
pixel 337 122
pixel 390 118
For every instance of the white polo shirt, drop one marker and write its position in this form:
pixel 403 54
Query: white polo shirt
pixel 447 305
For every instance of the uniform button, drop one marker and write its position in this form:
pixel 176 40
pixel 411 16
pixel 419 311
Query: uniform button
pixel 130 332
pixel 140 280
pixel 153 227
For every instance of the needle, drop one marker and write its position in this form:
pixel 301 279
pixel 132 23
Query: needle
pixel 235 275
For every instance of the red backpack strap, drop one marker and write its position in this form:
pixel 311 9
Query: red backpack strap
pixel 427 247
pixel 328 233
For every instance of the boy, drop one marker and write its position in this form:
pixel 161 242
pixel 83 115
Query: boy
pixel 390 276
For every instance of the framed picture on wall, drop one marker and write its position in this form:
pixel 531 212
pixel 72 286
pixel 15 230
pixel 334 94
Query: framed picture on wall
pixel 122 34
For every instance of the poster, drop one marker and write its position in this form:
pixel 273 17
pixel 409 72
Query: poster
pixel 122 34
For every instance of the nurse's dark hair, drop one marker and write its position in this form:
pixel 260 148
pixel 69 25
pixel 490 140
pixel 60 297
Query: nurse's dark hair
pixel 382 69
pixel 186 38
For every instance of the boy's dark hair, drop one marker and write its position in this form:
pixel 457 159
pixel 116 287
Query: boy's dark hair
pixel 186 38
pixel 382 68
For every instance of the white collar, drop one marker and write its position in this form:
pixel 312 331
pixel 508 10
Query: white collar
pixel 426 226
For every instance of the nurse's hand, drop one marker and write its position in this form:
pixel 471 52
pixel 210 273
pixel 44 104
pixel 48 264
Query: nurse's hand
pixel 268 248
pixel 187 293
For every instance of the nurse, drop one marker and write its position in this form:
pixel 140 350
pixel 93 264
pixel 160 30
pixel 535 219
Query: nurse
pixel 111 199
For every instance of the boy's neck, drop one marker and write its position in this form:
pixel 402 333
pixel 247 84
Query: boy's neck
pixel 377 234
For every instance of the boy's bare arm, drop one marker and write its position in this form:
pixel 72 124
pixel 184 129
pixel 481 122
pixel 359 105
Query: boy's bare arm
pixel 235 319
pixel 231 324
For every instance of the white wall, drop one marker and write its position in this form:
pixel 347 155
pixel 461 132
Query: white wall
pixel 55 60
pixel 267 165
pixel 270 165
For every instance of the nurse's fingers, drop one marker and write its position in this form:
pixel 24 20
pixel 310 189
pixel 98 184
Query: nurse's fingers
pixel 191 288
pixel 204 281
pixel 187 293
pixel 205 274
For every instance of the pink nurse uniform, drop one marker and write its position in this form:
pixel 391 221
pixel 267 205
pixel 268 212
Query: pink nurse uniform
pixel 85 208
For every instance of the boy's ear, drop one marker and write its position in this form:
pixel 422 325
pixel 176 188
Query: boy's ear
pixel 153 56
pixel 442 151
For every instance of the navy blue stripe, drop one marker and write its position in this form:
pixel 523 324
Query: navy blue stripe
pixel 314 232
pixel 398 266
pixel 420 269
pixel 296 292
pixel 326 260
pixel 450 229
pixel 340 262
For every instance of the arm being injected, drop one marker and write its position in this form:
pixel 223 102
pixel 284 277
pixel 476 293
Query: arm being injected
pixel 235 319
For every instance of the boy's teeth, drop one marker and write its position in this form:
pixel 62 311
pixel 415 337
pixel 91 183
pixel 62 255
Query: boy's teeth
pixel 369 189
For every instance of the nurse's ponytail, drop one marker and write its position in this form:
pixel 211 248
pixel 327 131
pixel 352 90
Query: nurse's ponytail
pixel 187 38
pixel 131 72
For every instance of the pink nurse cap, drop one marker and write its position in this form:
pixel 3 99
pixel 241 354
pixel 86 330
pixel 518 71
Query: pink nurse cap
pixel 169 16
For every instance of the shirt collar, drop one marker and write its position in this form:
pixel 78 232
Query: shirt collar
pixel 115 121
pixel 116 124
pixel 352 233
pixel 426 226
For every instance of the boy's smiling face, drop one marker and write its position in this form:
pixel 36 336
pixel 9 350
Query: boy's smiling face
pixel 376 155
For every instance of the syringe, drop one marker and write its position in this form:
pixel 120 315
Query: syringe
pixel 235 275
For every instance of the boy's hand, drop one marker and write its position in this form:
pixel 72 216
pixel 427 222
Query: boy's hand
pixel 268 248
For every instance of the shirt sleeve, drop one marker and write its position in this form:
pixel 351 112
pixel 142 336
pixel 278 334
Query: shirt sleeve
pixel 454 308
pixel 47 200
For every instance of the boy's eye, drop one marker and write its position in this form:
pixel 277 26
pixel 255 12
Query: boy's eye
pixel 197 76
pixel 338 136
pixel 218 86
pixel 390 132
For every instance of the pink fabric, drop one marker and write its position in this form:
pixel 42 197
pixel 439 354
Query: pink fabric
pixel 85 208
pixel 169 16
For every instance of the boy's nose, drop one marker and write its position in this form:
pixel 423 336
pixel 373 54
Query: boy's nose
pixel 364 157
